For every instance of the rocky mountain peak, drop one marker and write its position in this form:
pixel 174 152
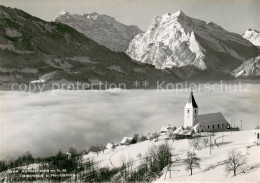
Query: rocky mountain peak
pixel 250 68
pixel 178 41
pixel 253 36
pixel 103 29
pixel 62 54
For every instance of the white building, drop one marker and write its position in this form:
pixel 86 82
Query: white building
pixel 126 140
pixel 202 123
pixel 167 128
pixel 111 145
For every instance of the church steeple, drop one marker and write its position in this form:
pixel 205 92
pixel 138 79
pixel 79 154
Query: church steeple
pixel 191 111
pixel 192 100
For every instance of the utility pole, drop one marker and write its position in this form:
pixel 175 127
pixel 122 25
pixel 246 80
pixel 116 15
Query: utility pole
pixel 231 126
pixel 222 137
pixel 210 144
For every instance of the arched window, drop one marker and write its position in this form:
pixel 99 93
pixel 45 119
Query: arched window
pixel 188 111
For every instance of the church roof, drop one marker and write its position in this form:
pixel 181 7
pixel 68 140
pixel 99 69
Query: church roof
pixel 192 100
pixel 211 119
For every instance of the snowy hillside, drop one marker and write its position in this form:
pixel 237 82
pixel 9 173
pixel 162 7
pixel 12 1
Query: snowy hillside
pixel 249 68
pixel 103 29
pixel 212 166
pixel 176 40
pixel 212 160
pixel 253 36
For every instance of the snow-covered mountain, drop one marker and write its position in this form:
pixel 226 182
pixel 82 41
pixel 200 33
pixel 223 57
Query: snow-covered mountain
pixel 103 29
pixel 33 50
pixel 250 68
pixel 253 36
pixel 178 41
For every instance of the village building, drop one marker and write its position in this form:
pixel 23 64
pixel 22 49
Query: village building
pixel 126 141
pixel 213 122
pixel 111 145
pixel 167 128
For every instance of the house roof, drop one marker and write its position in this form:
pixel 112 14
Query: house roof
pixel 125 139
pixel 109 145
pixel 192 100
pixel 165 128
pixel 178 130
pixel 211 119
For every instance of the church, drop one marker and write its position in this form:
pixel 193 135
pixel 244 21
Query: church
pixel 213 122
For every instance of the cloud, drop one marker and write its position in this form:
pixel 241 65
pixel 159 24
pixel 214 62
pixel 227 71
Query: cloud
pixel 51 121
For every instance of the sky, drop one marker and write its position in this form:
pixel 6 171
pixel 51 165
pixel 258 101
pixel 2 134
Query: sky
pixel 44 123
pixel 233 15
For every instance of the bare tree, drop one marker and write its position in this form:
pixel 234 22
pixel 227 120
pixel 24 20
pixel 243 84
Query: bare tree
pixel 130 164
pixel 155 135
pixel 113 147
pixel 172 135
pixel 195 143
pixel 123 167
pixel 123 160
pixel 143 138
pixel 191 162
pixel 236 161
pixel 73 151
pixel 95 149
pixel 103 148
pixel 160 156
pixel 136 137
pixel 139 156
pixel 205 142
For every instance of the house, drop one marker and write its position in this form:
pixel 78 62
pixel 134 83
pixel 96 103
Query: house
pixel 212 122
pixel 68 155
pixel 167 128
pixel 126 140
pixel 111 145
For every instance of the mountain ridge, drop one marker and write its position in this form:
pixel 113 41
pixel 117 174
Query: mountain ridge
pixel 31 48
pixel 103 29
pixel 250 68
pixel 177 40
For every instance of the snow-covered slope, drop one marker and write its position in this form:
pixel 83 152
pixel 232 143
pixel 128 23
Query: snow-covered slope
pixel 249 68
pixel 103 29
pixel 253 36
pixel 212 163
pixel 176 40
pixel 212 167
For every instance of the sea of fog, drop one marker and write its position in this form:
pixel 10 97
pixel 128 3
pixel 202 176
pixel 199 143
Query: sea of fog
pixel 44 123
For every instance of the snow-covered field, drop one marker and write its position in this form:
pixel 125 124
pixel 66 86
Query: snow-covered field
pixel 212 167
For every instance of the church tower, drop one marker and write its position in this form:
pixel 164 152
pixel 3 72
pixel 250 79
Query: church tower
pixel 191 111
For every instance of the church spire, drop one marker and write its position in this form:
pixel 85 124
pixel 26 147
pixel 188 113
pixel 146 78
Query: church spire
pixel 192 100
